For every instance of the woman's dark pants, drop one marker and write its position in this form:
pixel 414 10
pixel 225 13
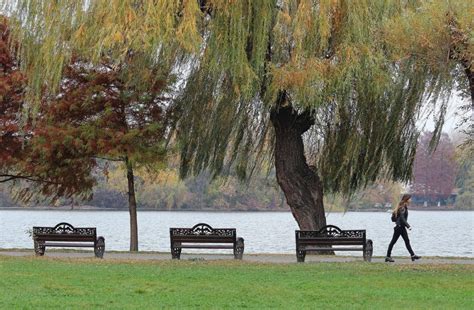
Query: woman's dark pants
pixel 397 232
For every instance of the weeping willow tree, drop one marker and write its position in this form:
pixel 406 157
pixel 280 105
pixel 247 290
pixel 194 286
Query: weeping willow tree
pixel 259 79
pixel 439 36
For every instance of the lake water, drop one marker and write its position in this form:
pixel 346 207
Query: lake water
pixel 435 233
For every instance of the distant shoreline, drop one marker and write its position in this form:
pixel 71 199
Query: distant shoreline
pixel 126 209
pixel 411 209
pixel 90 208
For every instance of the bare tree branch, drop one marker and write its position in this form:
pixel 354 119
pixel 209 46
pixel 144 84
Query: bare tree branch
pixel 10 177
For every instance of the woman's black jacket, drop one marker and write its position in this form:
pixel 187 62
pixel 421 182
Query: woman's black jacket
pixel 402 217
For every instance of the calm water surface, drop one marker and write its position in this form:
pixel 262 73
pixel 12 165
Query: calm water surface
pixel 435 233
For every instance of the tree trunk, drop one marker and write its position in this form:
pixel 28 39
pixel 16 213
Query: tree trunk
pixel 132 207
pixel 458 51
pixel 300 183
pixel 470 78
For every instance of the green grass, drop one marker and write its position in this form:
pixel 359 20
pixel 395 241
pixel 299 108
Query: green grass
pixel 92 283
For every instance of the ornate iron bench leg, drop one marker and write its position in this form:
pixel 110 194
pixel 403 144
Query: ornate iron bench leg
pixel 239 248
pixel 99 248
pixel 39 248
pixel 175 251
pixel 368 250
pixel 300 256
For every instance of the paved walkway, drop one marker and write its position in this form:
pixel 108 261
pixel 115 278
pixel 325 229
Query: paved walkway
pixel 259 258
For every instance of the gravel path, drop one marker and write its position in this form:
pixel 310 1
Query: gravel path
pixel 259 258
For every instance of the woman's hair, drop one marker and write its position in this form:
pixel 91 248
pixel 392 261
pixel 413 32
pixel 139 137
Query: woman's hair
pixel 402 203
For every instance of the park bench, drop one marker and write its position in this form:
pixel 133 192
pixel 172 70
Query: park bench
pixel 65 235
pixel 203 236
pixel 332 238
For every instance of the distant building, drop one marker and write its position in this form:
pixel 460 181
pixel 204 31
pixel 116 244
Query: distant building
pixel 431 200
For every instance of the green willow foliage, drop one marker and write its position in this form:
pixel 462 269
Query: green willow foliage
pixel 233 57
pixel 439 36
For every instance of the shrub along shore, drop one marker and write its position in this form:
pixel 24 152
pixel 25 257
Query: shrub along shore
pixel 32 282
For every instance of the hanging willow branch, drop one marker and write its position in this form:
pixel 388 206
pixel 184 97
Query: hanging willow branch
pixel 337 61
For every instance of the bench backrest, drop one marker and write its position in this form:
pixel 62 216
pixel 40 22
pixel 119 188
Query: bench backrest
pixel 64 232
pixel 331 234
pixel 204 233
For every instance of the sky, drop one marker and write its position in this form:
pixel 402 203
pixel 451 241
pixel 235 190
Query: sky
pixel 452 119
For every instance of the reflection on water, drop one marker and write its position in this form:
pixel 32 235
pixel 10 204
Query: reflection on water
pixel 435 233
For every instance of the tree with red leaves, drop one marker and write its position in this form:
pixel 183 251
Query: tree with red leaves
pixel 12 84
pixel 434 173
pixel 98 113
pixel 22 155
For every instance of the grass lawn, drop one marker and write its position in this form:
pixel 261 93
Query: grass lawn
pixel 92 283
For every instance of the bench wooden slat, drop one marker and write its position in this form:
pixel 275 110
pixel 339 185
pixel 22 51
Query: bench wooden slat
pixel 332 249
pixel 204 240
pixel 205 246
pixel 334 242
pixel 65 238
pixel 62 245
pixel 331 238
pixel 335 239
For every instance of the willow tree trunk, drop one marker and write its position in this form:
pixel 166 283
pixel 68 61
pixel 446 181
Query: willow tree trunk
pixel 132 207
pixel 300 183
pixel 460 51
pixel 470 78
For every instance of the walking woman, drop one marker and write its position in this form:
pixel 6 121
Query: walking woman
pixel 401 217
